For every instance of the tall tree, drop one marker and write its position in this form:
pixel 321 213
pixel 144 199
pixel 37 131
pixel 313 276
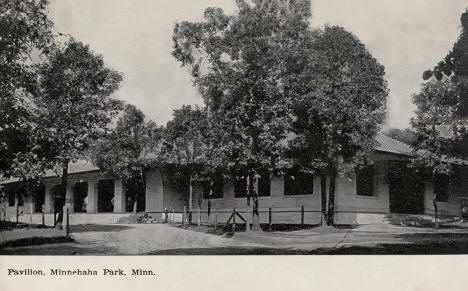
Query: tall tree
pixel 448 77
pixel 339 104
pixel 436 110
pixel 25 32
pixel 455 66
pixel 73 106
pixel 189 147
pixel 238 62
pixel 123 152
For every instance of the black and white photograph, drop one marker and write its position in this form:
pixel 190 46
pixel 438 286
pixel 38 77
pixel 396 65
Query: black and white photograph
pixel 232 128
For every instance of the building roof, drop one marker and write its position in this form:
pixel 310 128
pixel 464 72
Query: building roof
pixel 80 166
pixel 390 145
pixel 384 144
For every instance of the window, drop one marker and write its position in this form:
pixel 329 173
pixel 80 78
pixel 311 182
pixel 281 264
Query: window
pixel 240 187
pixel 217 187
pixel 298 183
pixel 365 180
pixel 441 187
pixel 11 198
pixel 20 198
pixel 264 185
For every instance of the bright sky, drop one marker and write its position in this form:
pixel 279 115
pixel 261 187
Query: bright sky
pixel 134 36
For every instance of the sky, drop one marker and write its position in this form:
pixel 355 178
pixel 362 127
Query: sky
pixel 134 37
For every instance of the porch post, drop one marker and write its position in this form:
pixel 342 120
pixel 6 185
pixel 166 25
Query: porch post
pixel 92 206
pixel 48 199
pixel 69 197
pixel 119 196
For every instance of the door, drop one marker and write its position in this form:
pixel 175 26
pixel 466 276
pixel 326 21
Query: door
pixel 406 189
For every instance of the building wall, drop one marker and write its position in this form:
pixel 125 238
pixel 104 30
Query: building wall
pixel 154 191
pixel 92 178
pixel 350 207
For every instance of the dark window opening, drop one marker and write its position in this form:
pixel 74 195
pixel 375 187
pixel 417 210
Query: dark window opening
pixel 298 183
pixel 59 199
pixel 217 187
pixel 365 180
pixel 240 187
pixel 106 195
pixel 39 198
pixel 135 192
pixel 441 187
pixel 264 184
pixel 80 195
pixel 11 198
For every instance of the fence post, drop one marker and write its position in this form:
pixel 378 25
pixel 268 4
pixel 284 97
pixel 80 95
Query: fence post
pixel 269 218
pixel 233 220
pixel 183 215
pixel 302 215
pixel 43 218
pixel 248 219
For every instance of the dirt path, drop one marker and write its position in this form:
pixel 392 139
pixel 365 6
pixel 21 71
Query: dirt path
pixel 165 239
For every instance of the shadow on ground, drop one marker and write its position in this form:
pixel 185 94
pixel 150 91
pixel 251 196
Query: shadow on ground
pixel 97 228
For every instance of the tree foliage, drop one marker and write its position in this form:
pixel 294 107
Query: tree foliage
pixel 455 66
pixel 26 31
pixel 124 151
pixel 435 114
pixel 238 63
pixel 73 104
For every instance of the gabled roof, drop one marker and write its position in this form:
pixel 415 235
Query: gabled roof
pixel 390 145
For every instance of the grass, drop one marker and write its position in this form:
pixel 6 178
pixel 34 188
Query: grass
pixel 8 225
pixel 34 241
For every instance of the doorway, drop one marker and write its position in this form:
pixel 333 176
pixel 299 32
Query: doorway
pixel 106 195
pixel 406 189
pixel 39 198
pixel 80 193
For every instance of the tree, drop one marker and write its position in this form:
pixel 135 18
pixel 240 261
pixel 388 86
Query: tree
pixel 455 66
pixel 122 153
pixel 406 135
pixel 72 104
pixel 444 101
pixel 436 110
pixel 238 63
pixel 25 32
pixel 189 148
pixel 339 103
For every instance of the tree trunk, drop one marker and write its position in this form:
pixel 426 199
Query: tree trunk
pixel 255 204
pixel 190 199
pixel 434 202
pixel 323 191
pixel 331 198
pixel 63 191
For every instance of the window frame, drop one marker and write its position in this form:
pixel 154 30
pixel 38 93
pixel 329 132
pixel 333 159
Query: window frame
pixel 218 188
pixel 370 186
pixel 296 186
pixel 438 178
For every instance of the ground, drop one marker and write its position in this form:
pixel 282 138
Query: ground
pixel 163 239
